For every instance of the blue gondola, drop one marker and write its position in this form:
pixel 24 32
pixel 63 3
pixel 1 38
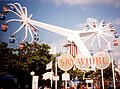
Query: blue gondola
pixel 91 52
pixel 12 39
pixel 12 8
pixel 87 27
pixel 116 35
pixel 4 27
pixel 36 37
pixel 2 16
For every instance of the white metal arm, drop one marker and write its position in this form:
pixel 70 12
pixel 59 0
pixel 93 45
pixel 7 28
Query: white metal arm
pixel 74 35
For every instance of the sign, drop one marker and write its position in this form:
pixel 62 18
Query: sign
pixel 102 60
pixel 65 76
pixel 89 81
pixel 65 62
pixel 81 62
pixel 56 77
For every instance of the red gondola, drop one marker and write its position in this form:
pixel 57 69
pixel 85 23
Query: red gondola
pixel 115 42
pixel 94 25
pixel 12 39
pixel 5 9
pixel 4 27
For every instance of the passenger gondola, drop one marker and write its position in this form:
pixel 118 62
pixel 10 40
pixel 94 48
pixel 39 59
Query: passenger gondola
pixel 91 52
pixel 115 42
pixel 2 16
pixel 36 37
pixel 4 27
pixel 94 25
pixel 11 7
pixel 5 9
pixel 103 24
pixel 12 39
pixel 112 29
pixel 87 27
pixel 116 35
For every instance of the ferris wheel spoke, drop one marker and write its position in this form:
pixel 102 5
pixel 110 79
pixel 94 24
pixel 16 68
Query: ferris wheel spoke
pixel 30 16
pixel 31 34
pixel 26 33
pixel 105 26
pixel 98 37
pixel 92 41
pixel 20 7
pixel 15 8
pixel 89 37
pixel 101 24
pixel 104 38
pixel 108 35
pixel 32 25
pixel 33 30
pixel 19 29
pixel 12 20
pixel 14 13
pixel 106 30
pixel 25 11
pixel 91 26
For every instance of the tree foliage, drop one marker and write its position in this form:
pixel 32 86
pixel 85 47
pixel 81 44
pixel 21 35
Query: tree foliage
pixel 20 62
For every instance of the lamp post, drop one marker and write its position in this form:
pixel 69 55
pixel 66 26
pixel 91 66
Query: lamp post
pixel 32 73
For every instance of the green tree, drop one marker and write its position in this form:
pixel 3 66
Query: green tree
pixel 20 62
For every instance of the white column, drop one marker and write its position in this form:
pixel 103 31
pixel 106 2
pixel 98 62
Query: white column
pixel 102 79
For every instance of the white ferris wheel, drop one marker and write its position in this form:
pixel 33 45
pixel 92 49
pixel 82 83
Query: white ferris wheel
pixel 104 33
pixel 93 31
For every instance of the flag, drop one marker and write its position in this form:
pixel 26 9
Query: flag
pixel 53 50
pixel 108 48
pixel 49 65
pixel 47 75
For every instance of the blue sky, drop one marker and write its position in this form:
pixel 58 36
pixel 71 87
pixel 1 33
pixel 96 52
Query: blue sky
pixel 72 14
